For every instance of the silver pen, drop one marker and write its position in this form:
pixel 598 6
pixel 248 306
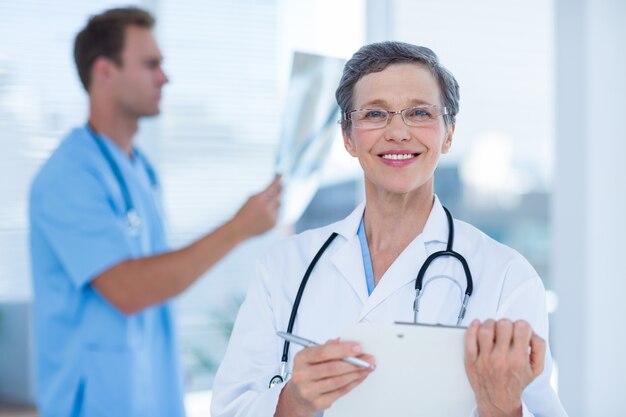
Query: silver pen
pixel 290 337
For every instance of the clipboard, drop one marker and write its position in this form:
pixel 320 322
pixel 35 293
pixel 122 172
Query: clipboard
pixel 419 372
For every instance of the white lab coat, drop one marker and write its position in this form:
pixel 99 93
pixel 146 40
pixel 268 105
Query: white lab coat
pixel 505 286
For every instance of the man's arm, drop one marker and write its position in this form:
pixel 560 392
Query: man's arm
pixel 135 284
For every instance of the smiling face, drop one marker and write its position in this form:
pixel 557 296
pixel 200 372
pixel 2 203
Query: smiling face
pixel 398 159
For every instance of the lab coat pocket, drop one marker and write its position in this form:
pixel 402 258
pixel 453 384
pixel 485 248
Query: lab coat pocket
pixel 109 388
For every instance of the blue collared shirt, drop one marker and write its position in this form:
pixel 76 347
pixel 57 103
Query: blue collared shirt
pixel 367 258
pixel 92 360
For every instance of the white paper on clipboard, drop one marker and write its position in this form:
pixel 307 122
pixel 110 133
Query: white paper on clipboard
pixel 419 372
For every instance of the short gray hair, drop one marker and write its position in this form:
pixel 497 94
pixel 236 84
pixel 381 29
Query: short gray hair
pixel 376 57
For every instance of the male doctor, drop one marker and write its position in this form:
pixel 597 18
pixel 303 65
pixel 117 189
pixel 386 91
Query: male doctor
pixel 103 272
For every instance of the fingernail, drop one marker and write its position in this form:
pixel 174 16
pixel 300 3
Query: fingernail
pixel 475 323
pixel 357 349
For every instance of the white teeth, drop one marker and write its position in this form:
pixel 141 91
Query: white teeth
pixel 396 156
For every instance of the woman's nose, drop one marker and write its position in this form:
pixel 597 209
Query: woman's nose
pixel 396 129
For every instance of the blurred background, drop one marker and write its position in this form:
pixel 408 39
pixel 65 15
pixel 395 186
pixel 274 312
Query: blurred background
pixel 537 160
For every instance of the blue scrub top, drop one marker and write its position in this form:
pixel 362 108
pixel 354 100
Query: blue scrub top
pixel 92 360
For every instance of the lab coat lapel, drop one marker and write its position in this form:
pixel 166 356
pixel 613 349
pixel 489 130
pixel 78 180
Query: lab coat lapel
pixel 347 259
pixel 349 263
pixel 403 271
pixel 400 274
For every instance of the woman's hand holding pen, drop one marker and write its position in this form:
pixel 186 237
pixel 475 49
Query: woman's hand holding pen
pixel 501 359
pixel 320 377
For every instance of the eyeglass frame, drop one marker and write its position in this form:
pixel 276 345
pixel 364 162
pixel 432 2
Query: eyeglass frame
pixel 348 115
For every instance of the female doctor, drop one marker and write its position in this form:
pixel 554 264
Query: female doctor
pixel 398 109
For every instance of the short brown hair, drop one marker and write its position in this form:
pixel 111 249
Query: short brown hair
pixel 104 36
pixel 376 57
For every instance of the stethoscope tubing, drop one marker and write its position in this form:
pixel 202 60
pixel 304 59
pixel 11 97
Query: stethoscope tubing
pixel 305 279
pixel 418 288
pixel 131 212
pixel 447 252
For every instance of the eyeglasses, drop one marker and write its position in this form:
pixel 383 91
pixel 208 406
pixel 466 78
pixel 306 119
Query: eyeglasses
pixel 377 118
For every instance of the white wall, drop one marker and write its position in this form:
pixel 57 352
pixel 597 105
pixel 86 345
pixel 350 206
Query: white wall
pixel 589 208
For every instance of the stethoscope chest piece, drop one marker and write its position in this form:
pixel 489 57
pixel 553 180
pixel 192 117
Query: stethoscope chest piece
pixel 133 222
pixel 276 380
pixel 281 376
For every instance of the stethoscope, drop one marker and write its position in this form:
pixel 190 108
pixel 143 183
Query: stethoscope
pixel 282 375
pixel 133 221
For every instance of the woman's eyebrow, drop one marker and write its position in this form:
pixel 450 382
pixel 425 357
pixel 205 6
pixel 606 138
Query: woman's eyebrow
pixel 384 104
pixel 374 103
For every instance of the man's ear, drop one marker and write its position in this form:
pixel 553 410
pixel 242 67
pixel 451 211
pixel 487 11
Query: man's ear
pixel 348 143
pixel 447 143
pixel 102 69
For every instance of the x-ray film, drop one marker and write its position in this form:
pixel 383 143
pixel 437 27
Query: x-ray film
pixel 309 127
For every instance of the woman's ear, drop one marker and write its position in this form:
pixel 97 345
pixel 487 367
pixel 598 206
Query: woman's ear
pixel 348 143
pixel 447 143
